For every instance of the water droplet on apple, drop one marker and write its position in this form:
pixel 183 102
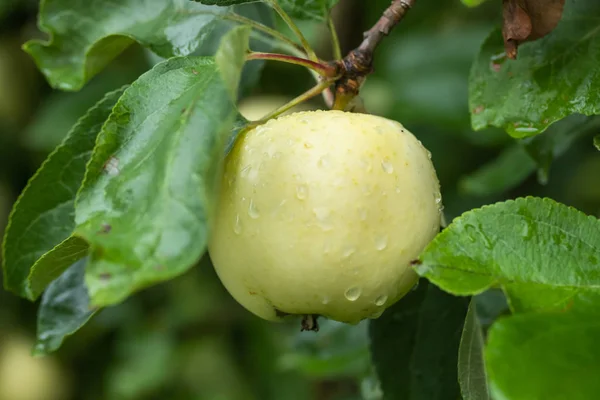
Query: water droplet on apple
pixel 352 293
pixel 376 314
pixel 323 218
pixel 245 170
pixel 362 213
pixel 387 166
pixel 252 210
pixel 324 162
pixel 381 242
pixel 302 192
pixel 325 300
pixel 379 301
pixel 348 251
pixel 237 227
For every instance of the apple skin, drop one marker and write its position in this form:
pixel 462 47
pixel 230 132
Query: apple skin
pixel 321 213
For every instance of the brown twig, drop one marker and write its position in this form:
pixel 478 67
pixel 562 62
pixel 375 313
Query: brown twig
pixel 359 62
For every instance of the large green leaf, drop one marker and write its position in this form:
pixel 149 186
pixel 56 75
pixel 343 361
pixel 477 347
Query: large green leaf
pixel 65 308
pixel 414 345
pixel 471 369
pixel 38 245
pixel 517 162
pixel 543 254
pixel 151 184
pixel 301 9
pixel 86 35
pixel 231 57
pixel 552 77
pixel 544 357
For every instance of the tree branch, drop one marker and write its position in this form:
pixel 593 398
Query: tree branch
pixel 359 62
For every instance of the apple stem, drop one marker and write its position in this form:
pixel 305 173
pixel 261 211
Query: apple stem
pixel 309 51
pixel 359 62
pixel 326 70
pixel 310 323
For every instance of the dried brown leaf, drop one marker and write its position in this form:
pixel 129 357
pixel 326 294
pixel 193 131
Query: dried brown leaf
pixel 528 20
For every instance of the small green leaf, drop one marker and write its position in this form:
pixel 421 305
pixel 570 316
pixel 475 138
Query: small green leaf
pixel 231 57
pixel 64 309
pixel 553 77
pixel 517 162
pixel 339 350
pixel 87 37
pixel 557 140
pixel 37 244
pixel 472 3
pixel 150 189
pixel 308 9
pixel 503 173
pixel 543 254
pixel 225 3
pixel 544 357
pixel 471 369
pixel 597 142
pixel 414 345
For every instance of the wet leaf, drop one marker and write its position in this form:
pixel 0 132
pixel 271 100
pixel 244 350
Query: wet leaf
pixel 64 309
pixel 38 245
pixel 544 357
pixel 414 345
pixel 542 254
pixel 471 369
pixel 553 77
pixel 153 178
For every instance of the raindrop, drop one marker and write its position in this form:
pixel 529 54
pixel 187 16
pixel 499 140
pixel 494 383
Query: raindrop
pixel 365 164
pixel 276 155
pixel 348 251
pixel 353 293
pixel 415 287
pixel 324 162
pixel 252 210
pixel 302 192
pixel 362 213
pixel 244 172
pixel 376 314
pixel 387 166
pixel 398 190
pixel 323 217
pixel 379 301
pixel 429 154
pixel 237 227
pixel 381 242
pixel 325 300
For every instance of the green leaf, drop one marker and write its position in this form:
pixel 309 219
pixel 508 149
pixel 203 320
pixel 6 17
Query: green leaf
pixel 300 9
pixel 544 357
pixel 543 254
pixel 471 369
pixel 224 3
pixel 150 188
pixel 517 162
pixel 308 9
pixel 38 245
pixel 557 140
pixel 472 3
pixel 87 37
pixel 553 77
pixel 231 57
pixel 597 142
pixel 414 345
pixel 503 173
pixel 64 309
pixel 339 350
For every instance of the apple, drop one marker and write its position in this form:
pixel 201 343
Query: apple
pixel 23 377
pixel 321 213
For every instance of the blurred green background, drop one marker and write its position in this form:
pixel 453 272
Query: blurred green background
pixel 188 339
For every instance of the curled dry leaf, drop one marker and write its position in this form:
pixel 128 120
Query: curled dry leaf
pixel 527 20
